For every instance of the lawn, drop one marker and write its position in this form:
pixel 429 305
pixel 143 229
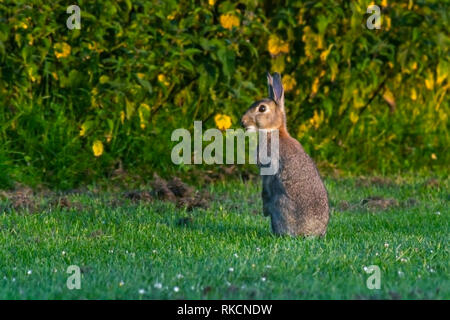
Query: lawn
pixel 130 249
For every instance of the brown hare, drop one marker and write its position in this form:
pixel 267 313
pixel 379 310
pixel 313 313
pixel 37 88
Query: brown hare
pixel 295 196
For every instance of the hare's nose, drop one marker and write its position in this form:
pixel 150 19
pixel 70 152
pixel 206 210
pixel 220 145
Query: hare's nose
pixel 243 122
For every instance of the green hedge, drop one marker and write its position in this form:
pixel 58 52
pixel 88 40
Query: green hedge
pixel 359 100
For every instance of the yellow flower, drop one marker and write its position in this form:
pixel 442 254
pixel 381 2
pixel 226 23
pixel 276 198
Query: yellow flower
pixel 140 75
pixel 32 74
pixel 94 47
pixel 83 130
pixel 429 82
pixel 276 46
pixel 315 86
pixel 309 38
pixel 171 16
pixel 433 156
pixel 97 148
pixel 222 121
pixel 289 83
pixel 325 53
pixel 62 49
pixel 211 2
pixel 354 117
pixel 413 94
pixel 104 79
pixel 388 22
pixel 317 119
pixel 162 79
pixel 122 117
pixel 144 111
pixel 229 20
pixel 302 130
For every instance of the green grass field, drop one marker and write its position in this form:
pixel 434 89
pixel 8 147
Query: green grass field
pixel 153 250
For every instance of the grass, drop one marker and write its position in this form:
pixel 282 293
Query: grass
pixel 125 251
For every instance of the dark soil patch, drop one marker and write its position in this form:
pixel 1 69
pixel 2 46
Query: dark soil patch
pixel 373 203
pixel 378 203
pixel 374 181
pixel 22 198
pixel 138 195
pixel 180 193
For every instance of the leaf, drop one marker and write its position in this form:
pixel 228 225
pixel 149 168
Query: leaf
pixel 441 71
pixel 130 108
pixel 388 96
pixel 227 58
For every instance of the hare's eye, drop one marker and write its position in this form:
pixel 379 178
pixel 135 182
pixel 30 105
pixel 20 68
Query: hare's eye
pixel 262 108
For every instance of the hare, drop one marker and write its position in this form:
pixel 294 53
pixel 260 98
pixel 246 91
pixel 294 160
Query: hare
pixel 295 196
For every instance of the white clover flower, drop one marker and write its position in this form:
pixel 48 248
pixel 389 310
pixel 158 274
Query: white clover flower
pixel 236 255
pixel 141 291
pixel 386 245
pixel 29 272
pixel 176 289
pixel 231 269
pixel 121 283
pixel 263 279
pixel 180 276
pixel 158 285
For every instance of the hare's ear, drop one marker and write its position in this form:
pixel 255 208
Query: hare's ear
pixel 270 86
pixel 276 91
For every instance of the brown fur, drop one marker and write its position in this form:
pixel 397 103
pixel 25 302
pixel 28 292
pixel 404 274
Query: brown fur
pixel 295 197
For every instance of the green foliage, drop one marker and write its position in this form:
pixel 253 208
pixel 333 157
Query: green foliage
pixel 359 100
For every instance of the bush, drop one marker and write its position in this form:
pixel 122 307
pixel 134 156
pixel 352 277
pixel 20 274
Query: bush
pixel 359 100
